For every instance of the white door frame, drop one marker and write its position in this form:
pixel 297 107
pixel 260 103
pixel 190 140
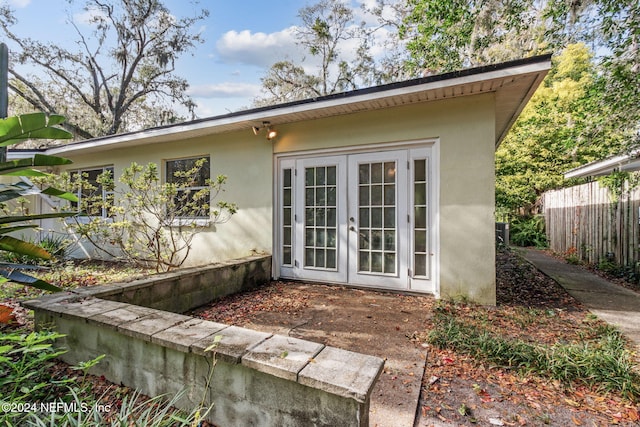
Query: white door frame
pixel 427 150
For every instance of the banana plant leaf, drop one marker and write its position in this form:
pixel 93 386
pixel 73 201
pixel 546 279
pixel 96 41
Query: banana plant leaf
pixel 15 266
pixel 24 172
pixel 7 230
pixel 22 167
pixel 20 218
pixel 25 279
pixel 16 186
pixel 13 191
pixel 31 126
pixel 13 130
pixel 11 244
pixel 60 194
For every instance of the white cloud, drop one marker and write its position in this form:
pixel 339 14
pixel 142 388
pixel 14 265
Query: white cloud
pixel 225 90
pixel 361 14
pixel 258 49
pixel 388 10
pixel 217 107
pixel 19 3
pixel 86 16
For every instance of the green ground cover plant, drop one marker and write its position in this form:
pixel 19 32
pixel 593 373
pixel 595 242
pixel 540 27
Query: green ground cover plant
pixel 598 357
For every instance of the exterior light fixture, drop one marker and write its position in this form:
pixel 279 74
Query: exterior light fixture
pixel 271 133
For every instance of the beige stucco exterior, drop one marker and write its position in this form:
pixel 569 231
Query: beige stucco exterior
pixel 465 131
pixel 459 119
pixel 244 159
pixel 461 128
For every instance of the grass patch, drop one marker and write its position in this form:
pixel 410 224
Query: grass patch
pixel 601 361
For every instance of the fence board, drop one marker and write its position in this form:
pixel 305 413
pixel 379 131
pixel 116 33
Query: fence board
pixel 586 221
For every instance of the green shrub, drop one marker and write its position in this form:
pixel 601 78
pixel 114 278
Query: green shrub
pixel 24 360
pixel 528 231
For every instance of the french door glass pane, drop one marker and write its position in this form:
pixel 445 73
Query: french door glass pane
pixel 420 230
pixel 287 218
pixel 320 217
pixel 377 218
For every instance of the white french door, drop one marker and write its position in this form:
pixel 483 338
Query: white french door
pixel 362 219
pixel 377 206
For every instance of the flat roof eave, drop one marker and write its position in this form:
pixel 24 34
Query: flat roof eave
pixel 459 83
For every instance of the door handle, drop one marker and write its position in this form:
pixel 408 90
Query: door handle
pixel 352 228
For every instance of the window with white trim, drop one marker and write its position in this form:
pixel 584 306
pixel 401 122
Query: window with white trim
pixel 94 189
pixel 192 177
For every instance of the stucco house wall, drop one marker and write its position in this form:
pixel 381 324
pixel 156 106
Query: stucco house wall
pixel 459 118
pixel 465 133
pixel 244 159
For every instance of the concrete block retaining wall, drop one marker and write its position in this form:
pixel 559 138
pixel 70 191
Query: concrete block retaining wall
pixel 250 377
pixel 186 289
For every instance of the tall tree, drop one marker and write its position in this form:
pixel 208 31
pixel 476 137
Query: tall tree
pixel 449 35
pixel 445 36
pixel 325 26
pixel 122 69
pixel 621 33
pixel 564 125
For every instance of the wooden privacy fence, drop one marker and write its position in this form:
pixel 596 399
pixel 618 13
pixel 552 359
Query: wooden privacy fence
pixel 588 222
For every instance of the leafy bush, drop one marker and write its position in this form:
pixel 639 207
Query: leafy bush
pixel 629 273
pixel 528 231
pixel 151 223
pixel 24 360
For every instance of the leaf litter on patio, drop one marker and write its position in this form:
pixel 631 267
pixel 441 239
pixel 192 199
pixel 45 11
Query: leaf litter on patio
pixel 456 389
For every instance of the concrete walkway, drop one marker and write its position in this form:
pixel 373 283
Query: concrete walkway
pixel 612 303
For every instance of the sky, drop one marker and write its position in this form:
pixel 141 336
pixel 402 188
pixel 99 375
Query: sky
pixel 243 38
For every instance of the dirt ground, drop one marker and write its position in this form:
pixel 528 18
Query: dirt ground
pixel 376 323
pixel 454 390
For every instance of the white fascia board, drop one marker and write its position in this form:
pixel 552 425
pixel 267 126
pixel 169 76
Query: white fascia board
pixel 623 162
pixel 23 154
